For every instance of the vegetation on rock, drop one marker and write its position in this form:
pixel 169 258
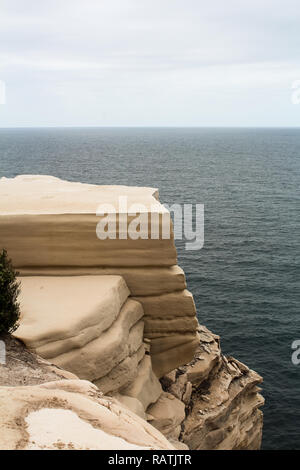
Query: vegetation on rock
pixel 9 291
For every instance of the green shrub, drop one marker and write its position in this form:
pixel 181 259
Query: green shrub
pixel 9 291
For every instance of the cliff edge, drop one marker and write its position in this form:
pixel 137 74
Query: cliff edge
pixel 115 311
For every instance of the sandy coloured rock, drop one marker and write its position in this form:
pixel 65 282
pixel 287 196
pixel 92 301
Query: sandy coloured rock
pixel 58 221
pixel 115 312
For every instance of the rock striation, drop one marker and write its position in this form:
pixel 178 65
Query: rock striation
pixel 85 324
pixel 116 312
pixel 222 399
pixel 48 226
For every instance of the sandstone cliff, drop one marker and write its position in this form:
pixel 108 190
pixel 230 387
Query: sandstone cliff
pixel 116 312
pixel 48 226
pixel 78 416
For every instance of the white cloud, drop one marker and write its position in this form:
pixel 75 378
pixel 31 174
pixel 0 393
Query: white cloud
pixel 142 62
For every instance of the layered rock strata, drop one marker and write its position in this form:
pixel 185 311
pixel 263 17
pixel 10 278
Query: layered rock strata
pixel 117 312
pixel 49 227
pixel 89 326
pixel 222 400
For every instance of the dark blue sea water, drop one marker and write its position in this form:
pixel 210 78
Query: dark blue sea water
pixel 246 278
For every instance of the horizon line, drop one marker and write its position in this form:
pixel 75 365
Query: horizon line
pixel 148 127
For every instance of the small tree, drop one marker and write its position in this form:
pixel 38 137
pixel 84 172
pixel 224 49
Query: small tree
pixel 9 291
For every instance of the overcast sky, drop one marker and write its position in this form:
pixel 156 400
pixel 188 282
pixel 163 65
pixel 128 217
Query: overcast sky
pixel 149 62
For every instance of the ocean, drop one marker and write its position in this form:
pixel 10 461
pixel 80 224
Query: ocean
pixel 245 279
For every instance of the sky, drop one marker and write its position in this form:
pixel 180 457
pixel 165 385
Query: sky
pixel 150 63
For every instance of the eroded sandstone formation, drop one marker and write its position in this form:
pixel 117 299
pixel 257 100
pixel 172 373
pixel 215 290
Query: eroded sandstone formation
pixel 222 399
pixel 48 226
pixel 77 415
pixel 85 324
pixel 117 313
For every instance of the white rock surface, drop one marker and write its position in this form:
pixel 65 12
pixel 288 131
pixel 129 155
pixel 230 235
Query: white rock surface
pixel 70 414
pixel 64 429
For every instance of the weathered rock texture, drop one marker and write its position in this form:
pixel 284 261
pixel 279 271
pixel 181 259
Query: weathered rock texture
pixel 222 399
pixel 49 226
pixel 55 410
pixel 117 313
pixel 88 325
pixel 85 324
